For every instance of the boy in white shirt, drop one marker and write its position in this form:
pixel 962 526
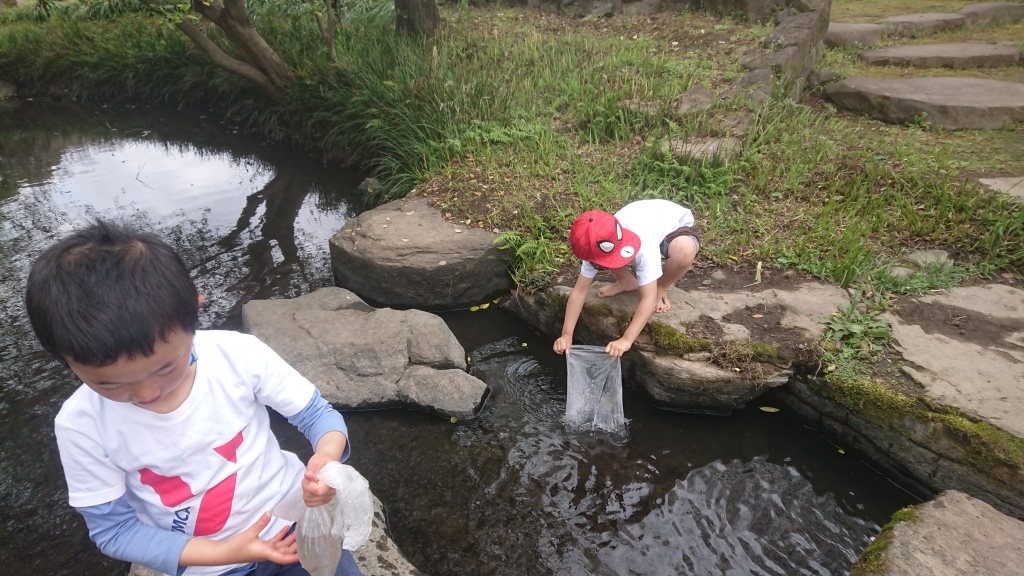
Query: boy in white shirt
pixel 166 447
pixel 641 233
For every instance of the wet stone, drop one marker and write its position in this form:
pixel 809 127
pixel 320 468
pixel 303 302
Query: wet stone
pixel 962 55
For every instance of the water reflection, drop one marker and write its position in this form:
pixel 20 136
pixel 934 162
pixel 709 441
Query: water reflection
pixel 250 224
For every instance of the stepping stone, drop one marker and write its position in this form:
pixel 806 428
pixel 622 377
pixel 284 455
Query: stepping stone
pixel 695 100
pixel 840 34
pixel 949 103
pixel 705 149
pixel 993 13
pixel 952 535
pixel 1014 185
pixel 965 55
pixel 915 24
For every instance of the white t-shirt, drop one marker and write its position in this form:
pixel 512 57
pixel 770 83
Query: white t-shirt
pixel 209 468
pixel 652 221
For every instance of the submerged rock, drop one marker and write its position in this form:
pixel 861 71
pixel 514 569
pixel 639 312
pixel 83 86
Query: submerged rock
pixel 361 357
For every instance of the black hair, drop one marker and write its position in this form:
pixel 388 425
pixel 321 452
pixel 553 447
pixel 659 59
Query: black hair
pixel 108 292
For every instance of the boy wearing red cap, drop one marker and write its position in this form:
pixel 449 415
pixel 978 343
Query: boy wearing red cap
pixel 641 233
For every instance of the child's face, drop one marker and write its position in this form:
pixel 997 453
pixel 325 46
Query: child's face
pixel 159 382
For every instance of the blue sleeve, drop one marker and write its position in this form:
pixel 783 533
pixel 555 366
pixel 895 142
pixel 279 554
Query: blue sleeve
pixel 319 418
pixel 118 532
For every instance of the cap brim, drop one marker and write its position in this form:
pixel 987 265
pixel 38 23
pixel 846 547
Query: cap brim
pixel 616 259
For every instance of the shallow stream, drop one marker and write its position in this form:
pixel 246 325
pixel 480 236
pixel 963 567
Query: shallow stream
pixel 508 492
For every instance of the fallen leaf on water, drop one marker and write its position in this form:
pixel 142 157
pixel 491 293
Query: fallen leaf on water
pixel 485 305
pixel 758 316
pixel 468 359
pixel 768 409
pixel 454 419
pixel 496 300
pixel 410 212
pixel 457 230
pixel 841 451
pixel 524 344
pixel 474 308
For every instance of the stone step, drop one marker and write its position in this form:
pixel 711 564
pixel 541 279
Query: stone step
pixel 964 55
pixel 1012 185
pixel 952 535
pixel 910 25
pixel 987 13
pixel 842 34
pixel 948 102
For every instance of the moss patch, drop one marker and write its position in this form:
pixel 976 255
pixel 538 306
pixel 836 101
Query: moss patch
pixel 668 340
pixel 872 560
pixel 988 448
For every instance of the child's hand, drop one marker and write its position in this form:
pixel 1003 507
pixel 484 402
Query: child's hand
pixel 562 344
pixel 314 492
pixel 617 348
pixel 242 548
pixel 279 549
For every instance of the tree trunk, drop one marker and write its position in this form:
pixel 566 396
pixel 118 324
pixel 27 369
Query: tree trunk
pixel 233 20
pixel 417 17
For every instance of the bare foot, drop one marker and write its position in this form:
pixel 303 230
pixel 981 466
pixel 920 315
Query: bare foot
pixel 662 304
pixel 619 286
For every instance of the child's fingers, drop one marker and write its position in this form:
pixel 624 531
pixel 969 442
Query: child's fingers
pixel 260 523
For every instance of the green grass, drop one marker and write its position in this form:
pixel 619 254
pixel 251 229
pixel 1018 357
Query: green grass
pixel 517 121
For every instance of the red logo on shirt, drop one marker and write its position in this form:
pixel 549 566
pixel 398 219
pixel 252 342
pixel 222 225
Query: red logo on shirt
pixel 215 507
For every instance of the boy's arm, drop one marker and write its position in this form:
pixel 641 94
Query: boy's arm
pixel 573 308
pixel 648 299
pixel 325 429
pixel 118 532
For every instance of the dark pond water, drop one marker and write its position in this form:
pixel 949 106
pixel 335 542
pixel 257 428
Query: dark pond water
pixel 509 492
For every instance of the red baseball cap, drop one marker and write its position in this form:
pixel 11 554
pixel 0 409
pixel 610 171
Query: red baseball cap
pixel 598 238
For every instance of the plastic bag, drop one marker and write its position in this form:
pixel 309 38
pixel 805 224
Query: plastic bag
pixel 353 518
pixel 320 537
pixel 319 548
pixel 594 395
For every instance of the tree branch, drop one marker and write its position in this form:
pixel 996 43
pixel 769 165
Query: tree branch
pixel 221 59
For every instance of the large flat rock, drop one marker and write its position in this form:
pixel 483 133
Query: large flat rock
pixel 950 103
pixel 690 380
pixel 917 24
pixel 404 253
pixel 962 55
pixel 993 13
pixel 966 348
pixel 955 535
pixel 841 34
pixel 361 357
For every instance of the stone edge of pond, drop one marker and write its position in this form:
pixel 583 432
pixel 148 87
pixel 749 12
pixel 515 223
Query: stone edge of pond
pixel 950 535
pixel 926 445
